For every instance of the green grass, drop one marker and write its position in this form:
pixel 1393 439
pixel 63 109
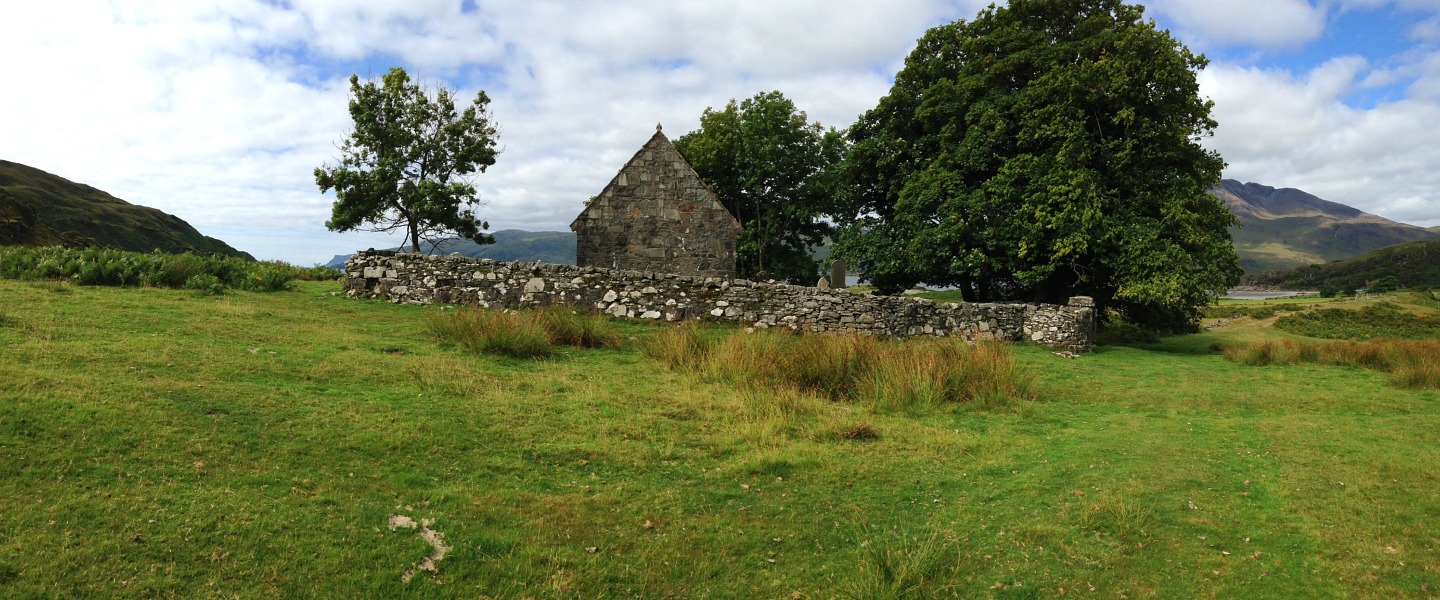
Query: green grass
pixel 159 443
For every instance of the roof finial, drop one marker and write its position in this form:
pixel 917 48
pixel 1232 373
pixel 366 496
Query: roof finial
pixel 657 128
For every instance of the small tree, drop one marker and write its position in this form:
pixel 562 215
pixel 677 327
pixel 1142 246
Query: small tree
pixel 775 173
pixel 1384 284
pixel 407 163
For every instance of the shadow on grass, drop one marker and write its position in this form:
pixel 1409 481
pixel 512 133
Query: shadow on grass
pixel 1192 344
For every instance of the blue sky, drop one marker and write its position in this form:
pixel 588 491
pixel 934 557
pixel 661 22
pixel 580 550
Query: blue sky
pixel 218 111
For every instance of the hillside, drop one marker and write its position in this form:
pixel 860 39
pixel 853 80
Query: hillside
pixel 1285 228
pixel 1414 265
pixel 554 247
pixel 41 209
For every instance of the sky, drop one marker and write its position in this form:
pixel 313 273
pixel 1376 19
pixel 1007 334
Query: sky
pixel 219 111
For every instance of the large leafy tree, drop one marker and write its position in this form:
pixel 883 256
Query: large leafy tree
pixel 776 173
pixel 1045 149
pixel 408 163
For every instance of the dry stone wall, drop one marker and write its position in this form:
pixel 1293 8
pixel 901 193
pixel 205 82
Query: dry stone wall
pixel 419 279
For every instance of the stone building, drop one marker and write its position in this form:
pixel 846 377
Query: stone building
pixel 657 215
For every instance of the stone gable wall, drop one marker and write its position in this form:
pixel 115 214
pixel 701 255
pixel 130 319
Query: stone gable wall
pixel 657 215
pixel 418 279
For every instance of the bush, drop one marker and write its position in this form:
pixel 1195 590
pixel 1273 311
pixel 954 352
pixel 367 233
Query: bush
pixel 1384 284
pixel 103 266
pixel 268 278
pixel 206 283
pixel 1254 311
pixel 319 273
pixel 1380 320
pixel 176 269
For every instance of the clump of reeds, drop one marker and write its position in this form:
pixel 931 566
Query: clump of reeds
pixel 888 374
pixel 567 326
pixel 680 348
pixel 1410 363
pixel 522 334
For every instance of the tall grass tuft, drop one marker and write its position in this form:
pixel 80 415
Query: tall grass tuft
pixel 932 372
pixel 568 327
pixel 683 348
pixel 831 365
pixel 1273 352
pixel 1410 363
pixel 749 360
pixel 523 334
pixel 1415 364
pixel 488 332
pixel 889 375
pixel 893 565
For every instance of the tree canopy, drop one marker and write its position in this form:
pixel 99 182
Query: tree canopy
pixel 1045 149
pixel 408 162
pixel 776 174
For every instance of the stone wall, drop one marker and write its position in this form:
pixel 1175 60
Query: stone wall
pixel 419 279
pixel 657 215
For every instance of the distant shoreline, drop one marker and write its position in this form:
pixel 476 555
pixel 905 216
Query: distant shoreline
pixel 1253 293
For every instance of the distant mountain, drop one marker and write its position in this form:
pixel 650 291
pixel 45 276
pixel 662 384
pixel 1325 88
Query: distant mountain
pixel 1414 265
pixel 41 209
pixel 555 247
pixel 1285 228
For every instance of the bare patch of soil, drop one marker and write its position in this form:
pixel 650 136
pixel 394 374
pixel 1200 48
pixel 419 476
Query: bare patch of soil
pixel 432 537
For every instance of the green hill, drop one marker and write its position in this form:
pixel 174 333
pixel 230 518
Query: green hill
pixel 554 247
pixel 1414 265
pixel 41 209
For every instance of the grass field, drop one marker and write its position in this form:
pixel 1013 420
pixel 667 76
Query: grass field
pixel 160 443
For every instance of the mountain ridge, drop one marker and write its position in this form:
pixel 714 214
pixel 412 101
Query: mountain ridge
pixel 555 247
pixel 38 208
pixel 1283 228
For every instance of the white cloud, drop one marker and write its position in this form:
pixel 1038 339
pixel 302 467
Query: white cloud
pixel 218 111
pixel 1288 131
pixel 1264 24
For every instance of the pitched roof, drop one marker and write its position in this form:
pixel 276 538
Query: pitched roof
pixel 659 152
